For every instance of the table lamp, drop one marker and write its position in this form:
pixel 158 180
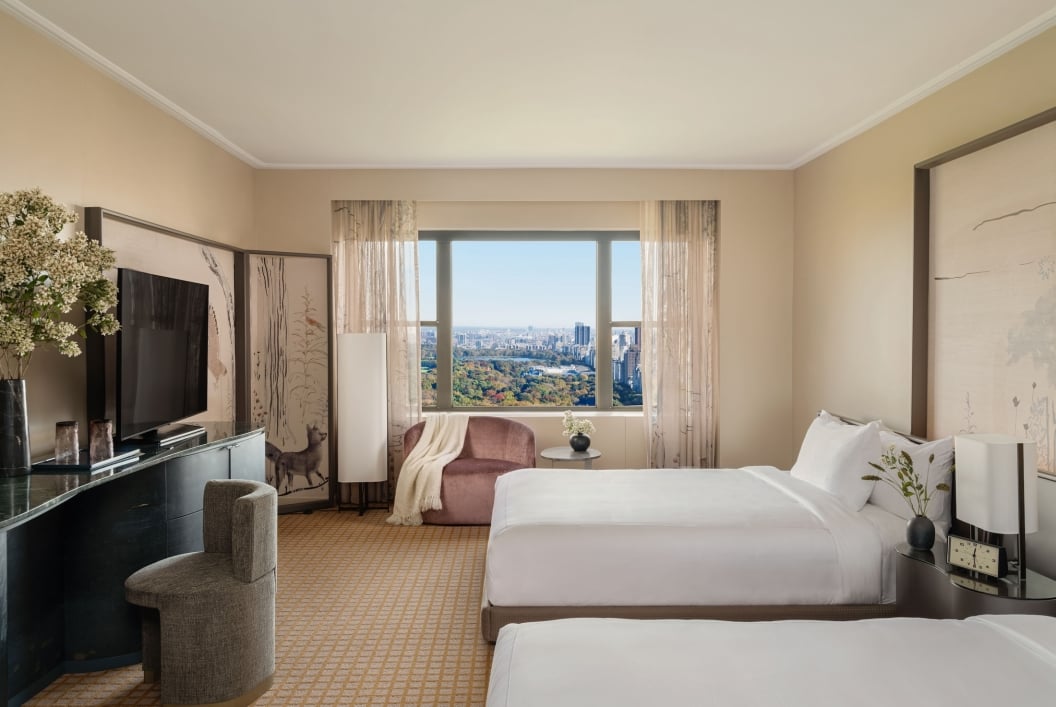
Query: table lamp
pixel 996 486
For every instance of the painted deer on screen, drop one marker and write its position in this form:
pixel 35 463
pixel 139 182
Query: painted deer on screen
pixel 304 462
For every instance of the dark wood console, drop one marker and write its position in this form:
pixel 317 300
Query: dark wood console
pixel 928 586
pixel 68 541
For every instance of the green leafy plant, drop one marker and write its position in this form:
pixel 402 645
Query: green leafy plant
pixel 42 277
pixel 896 470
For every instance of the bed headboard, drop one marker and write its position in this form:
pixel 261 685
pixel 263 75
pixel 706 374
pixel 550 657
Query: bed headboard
pixel 906 435
pixel 921 440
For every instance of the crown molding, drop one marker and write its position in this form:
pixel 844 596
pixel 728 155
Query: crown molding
pixel 44 26
pixel 93 58
pixel 988 54
pixel 524 166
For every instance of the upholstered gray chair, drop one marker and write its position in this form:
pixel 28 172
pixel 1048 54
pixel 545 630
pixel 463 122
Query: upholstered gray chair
pixel 493 446
pixel 209 617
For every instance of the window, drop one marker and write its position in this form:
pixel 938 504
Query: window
pixel 626 288
pixel 514 319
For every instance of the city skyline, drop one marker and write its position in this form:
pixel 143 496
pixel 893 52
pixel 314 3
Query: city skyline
pixel 565 334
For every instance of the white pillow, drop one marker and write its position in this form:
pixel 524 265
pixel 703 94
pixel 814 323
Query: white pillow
pixel 834 456
pixel 941 470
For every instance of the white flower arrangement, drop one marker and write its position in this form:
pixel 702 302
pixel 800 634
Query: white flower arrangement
pixel 42 277
pixel 573 425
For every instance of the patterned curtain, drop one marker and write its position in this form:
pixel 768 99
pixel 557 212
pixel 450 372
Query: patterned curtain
pixel 679 246
pixel 375 249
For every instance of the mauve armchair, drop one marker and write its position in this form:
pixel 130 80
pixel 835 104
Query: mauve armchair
pixel 493 446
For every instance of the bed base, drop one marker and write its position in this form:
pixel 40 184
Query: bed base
pixel 493 618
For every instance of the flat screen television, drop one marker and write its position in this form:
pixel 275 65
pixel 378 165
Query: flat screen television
pixel 162 353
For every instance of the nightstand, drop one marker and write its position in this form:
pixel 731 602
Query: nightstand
pixel 928 587
pixel 566 454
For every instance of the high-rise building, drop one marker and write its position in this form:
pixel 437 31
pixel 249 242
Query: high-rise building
pixel 630 365
pixel 582 334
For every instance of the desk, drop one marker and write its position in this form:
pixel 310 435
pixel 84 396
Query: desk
pixel 567 454
pixel 69 540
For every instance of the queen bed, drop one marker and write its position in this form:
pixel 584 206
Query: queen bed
pixel 975 662
pixel 754 543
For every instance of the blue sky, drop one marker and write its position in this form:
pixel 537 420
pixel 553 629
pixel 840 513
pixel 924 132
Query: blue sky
pixel 523 283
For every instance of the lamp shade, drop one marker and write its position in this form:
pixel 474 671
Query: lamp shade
pixel 987 482
pixel 362 408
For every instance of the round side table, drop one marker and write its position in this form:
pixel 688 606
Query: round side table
pixel 567 454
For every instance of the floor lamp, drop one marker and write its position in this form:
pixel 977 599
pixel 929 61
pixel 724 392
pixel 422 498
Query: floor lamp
pixel 997 487
pixel 362 411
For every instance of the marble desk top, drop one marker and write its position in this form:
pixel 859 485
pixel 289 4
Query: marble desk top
pixel 24 497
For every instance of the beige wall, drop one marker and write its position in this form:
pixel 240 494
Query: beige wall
pixel 87 141
pixel 854 236
pixel 842 341
pixel 853 248
pixel 755 275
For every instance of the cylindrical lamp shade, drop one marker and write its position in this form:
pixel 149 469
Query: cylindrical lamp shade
pixel 987 482
pixel 362 408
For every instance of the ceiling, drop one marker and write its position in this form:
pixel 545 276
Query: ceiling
pixel 748 84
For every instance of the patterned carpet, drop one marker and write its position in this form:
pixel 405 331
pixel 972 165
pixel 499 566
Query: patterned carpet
pixel 367 614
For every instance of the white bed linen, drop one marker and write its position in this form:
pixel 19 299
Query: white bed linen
pixel 675 537
pixel 978 662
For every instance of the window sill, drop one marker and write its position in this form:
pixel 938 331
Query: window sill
pixel 530 412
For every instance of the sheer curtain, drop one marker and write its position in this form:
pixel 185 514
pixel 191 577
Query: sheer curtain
pixel 679 248
pixel 375 249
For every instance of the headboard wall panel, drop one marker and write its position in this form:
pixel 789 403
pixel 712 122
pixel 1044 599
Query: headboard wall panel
pixel 985 292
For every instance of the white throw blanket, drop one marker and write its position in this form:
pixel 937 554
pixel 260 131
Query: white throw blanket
pixel 418 486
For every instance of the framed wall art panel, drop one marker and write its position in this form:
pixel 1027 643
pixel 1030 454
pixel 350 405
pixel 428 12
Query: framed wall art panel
pixel 985 319
pixel 289 358
pixel 148 247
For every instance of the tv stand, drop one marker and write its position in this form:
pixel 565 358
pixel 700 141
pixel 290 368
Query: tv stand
pixel 166 436
pixel 68 541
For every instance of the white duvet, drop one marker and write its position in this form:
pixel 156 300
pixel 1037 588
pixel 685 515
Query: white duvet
pixel 674 537
pixel 978 662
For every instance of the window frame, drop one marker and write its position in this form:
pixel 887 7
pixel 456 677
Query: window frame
pixel 604 325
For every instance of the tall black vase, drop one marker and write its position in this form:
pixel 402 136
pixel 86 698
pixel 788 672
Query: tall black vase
pixel 14 428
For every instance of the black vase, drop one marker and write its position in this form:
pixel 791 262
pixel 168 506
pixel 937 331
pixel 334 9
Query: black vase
pixel 920 532
pixel 14 428
pixel 579 443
